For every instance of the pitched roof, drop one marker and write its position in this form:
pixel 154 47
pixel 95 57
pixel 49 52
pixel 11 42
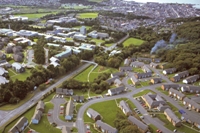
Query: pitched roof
pixel 40 105
pixel 134 79
pixel 118 74
pixel 170 70
pixel 93 112
pixel 69 108
pixel 118 89
pixel 192 78
pixel 19 124
pixel 106 127
pixel 169 85
pixel 111 80
pixel 170 113
pixel 37 115
pixel 182 74
pixel 193 103
pixel 126 68
pixel 137 122
pixel 176 92
pixel 146 69
pixel 125 106
pixel 152 64
pixel 137 64
pixel 157 79
pixel 2 71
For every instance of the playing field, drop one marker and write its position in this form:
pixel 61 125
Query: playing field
pixel 132 41
pixel 87 15
pixel 33 16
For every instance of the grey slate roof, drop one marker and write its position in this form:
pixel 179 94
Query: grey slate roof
pixel 170 113
pixel 138 123
pixel 125 106
pixel 170 70
pixel 93 112
pixel 19 124
pixel 106 127
pixel 183 74
pixel 169 85
pixel 192 78
pixel 69 108
pixel 178 93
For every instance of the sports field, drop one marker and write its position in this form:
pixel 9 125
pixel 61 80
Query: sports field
pixel 87 15
pixel 33 16
pixel 132 41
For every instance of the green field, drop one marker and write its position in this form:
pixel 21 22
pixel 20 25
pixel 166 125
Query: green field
pixel 34 15
pixel 83 76
pixel 132 41
pixel 136 69
pixel 97 41
pixel 20 76
pixel 87 15
pixel 108 45
pixel 142 93
pixel 87 27
pixel 143 84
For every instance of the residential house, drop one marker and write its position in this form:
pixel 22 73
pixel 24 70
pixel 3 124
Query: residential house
pixel 111 80
pixel 153 100
pixel 36 117
pixel 156 80
pixel 2 55
pixel 191 119
pixel 191 104
pixel 148 60
pixel 40 106
pixel 141 126
pixel 117 74
pixel 172 117
pixel 78 98
pixel 163 65
pixel 125 108
pixel 190 89
pixel 125 69
pixel 134 80
pixel 191 79
pixel 156 60
pixel 19 126
pixel 143 75
pixel 182 74
pixel 177 94
pixel 66 129
pixel 116 91
pixel 118 82
pixel 175 78
pixel 153 65
pixel 105 128
pixel 93 114
pixel 17 57
pixel 162 107
pixel 69 110
pixel 3 72
pixel 18 67
pixel 137 64
pixel 62 91
pixel 169 71
pixel 146 69
pixel 167 86
pixel 3 80
pixel 127 62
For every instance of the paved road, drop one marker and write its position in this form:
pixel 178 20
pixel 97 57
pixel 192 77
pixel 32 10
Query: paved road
pixel 29 103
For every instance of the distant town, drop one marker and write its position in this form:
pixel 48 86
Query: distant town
pixel 99 66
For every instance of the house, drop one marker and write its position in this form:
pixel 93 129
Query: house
pixel 134 80
pixel 3 80
pixel 125 69
pixel 105 128
pixel 177 94
pixel 40 106
pixel 118 82
pixel 137 64
pixel 148 60
pixel 162 107
pixel 182 74
pixel 153 65
pixel 141 126
pixel 66 129
pixel 2 55
pixel 172 117
pixel 116 91
pixel 19 126
pixel 17 58
pixel 191 79
pixel 175 78
pixel 153 100
pixel 191 119
pixel 156 60
pixel 69 110
pixel 117 74
pixel 169 71
pixel 156 80
pixel 111 80
pixel 36 117
pixel 143 75
pixel 190 89
pixel 146 69
pixel 78 98
pixel 127 62
pixel 3 72
pixel 62 91
pixel 163 65
pixel 191 104
pixel 168 86
pixel 93 114
pixel 125 108
pixel 18 67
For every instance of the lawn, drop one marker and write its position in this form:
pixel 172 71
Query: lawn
pixel 48 106
pixel 143 84
pixel 87 15
pixel 153 128
pixel 132 41
pixel 87 27
pixel 108 45
pixel 163 91
pixel 138 70
pixel 21 76
pixel 14 106
pixel 33 16
pixel 11 72
pixel 97 41
pixel 83 76
pixel 130 82
pixel 108 111
pixel 141 93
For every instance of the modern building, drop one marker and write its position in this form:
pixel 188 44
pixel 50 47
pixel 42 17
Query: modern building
pixel 78 98
pixel 64 54
pixel 134 80
pixel 143 75
pixel 83 30
pixel 183 74
pixel 191 104
pixel 190 89
pixel 125 69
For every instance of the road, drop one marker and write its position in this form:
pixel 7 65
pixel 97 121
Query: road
pixel 29 103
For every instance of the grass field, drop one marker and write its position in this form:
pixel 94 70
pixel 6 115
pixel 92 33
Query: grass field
pixel 132 41
pixel 83 76
pixel 34 15
pixel 19 76
pixel 142 93
pixel 139 70
pixel 87 27
pixel 143 84
pixel 163 91
pixel 108 45
pixel 87 15
pixel 97 41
